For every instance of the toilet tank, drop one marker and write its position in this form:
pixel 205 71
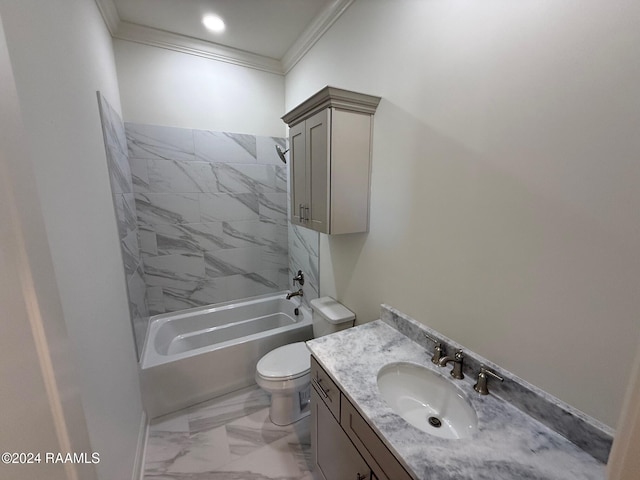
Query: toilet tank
pixel 330 316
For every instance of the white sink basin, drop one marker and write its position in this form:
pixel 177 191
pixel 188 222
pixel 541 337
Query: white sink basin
pixel 426 400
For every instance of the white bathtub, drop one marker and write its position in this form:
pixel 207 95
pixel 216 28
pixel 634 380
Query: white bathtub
pixel 198 354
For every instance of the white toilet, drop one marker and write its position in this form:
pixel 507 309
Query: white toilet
pixel 284 372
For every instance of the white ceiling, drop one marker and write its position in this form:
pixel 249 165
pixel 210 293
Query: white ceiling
pixel 269 35
pixel 264 27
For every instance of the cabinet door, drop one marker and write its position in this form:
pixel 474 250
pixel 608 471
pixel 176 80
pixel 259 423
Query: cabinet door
pixel 317 131
pixel 333 455
pixel 298 172
pixel 382 462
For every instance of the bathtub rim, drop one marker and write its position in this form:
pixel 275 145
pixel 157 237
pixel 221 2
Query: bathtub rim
pixel 150 358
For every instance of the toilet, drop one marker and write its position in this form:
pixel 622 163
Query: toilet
pixel 284 372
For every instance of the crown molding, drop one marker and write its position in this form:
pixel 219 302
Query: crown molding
pixel 109 14
pixel 332 97
pixel 321 23
pixel 193 46
pixel 201 48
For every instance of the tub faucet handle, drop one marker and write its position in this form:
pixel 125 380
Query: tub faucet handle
pixel 299 278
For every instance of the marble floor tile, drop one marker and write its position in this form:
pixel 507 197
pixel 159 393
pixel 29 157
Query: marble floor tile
pixel 203 452
pixel 227 408
pixel 254 431
pixel 163 448
pixel 228 438
pixel 275 460
pixel 174 422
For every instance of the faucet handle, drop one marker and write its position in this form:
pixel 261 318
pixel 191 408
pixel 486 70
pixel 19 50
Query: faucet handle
pixel 456 371
pixel 438 352
pixel 481 385
pixel 299 278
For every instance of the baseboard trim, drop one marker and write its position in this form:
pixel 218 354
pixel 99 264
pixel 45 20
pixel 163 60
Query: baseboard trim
pixel 141 449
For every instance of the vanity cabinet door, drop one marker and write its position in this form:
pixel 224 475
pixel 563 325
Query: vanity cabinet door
pixel 383 463
pixel 333 455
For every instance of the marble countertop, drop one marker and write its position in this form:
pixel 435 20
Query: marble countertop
pixel 508 443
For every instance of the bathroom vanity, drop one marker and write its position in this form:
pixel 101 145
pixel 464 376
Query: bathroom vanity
pixel 521 432
pixel 343 444
pixel 330 156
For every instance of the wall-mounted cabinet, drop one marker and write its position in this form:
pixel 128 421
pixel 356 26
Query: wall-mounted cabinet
pixel 330 138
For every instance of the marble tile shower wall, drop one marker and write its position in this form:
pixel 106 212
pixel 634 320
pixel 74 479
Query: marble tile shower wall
pixel 303 255
pixel 304 247
pixel 212 215
pixel 123 198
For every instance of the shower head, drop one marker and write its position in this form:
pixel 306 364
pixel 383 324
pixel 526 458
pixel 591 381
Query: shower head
pixel 281 153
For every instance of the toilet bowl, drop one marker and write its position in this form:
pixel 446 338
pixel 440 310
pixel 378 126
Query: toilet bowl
pixel 284 372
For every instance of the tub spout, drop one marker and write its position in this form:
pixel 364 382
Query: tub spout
pixel 299 293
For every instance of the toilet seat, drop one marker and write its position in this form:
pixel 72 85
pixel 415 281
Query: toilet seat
pixel 285 363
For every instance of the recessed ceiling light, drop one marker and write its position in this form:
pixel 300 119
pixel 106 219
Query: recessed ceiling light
pixel 213 23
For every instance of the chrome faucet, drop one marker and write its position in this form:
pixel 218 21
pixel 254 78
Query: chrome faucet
pixel 481 385
pixel 299 293
pixel 456 371
pixel 438 351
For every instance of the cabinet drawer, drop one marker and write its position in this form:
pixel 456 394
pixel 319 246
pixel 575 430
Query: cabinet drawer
pixel 376 454
pixel 327 389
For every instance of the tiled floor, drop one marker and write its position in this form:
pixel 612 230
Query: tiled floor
pixel 228 438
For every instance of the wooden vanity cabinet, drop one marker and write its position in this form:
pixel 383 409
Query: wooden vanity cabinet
pixel 343 445
pixel 333 455
pixel 382 462
pixel 330 161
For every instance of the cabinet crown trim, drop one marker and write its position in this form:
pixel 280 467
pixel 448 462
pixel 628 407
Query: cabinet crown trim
pixel 332 97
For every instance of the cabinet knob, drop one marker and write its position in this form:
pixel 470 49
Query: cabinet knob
pixel 362 477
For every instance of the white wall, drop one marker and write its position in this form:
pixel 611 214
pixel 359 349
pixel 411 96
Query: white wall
pixel 505 181
pixel 164 87
pixel 41 408
pixel 61 54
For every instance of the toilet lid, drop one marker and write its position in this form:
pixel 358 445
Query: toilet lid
pixel 288 361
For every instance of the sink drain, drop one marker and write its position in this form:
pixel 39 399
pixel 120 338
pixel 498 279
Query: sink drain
pixel 435 422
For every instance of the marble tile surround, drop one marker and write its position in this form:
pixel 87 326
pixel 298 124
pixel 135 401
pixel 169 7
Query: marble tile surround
pixel 304 253
pixel 212 215
pixel 586 432
pixel 228 438
pixel 202 217
pixel 121 181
